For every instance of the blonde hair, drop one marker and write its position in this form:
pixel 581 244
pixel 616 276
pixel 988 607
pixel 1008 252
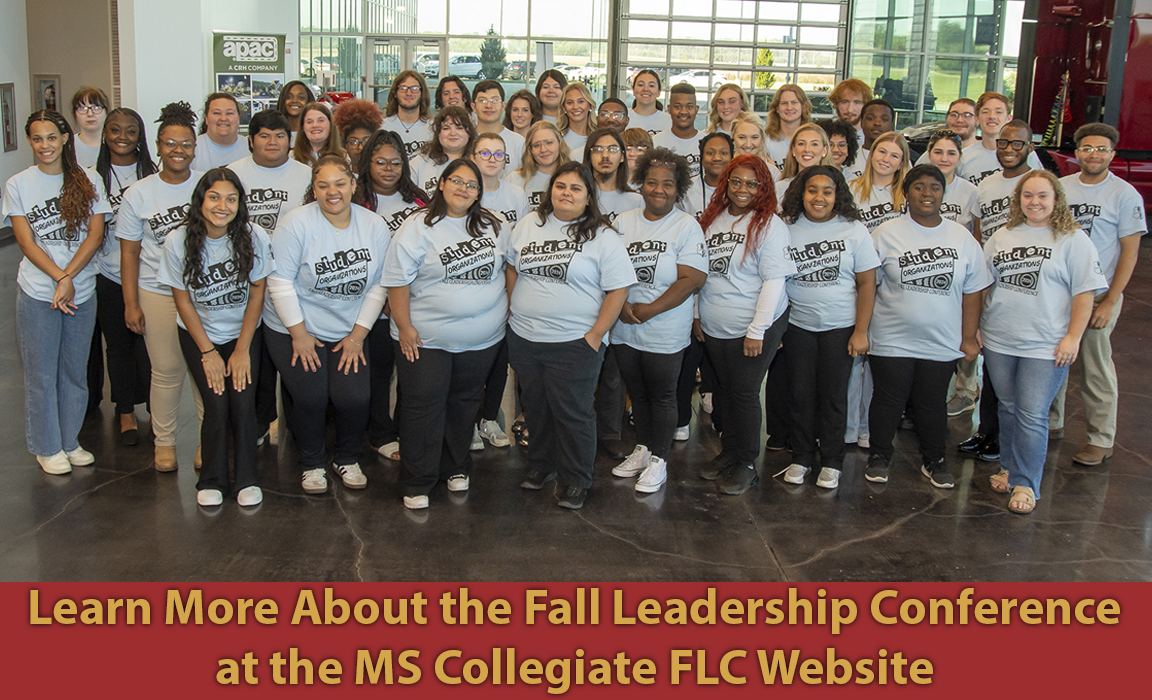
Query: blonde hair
pixel 772 128
pixel 527 167
pixel 714 112
pixel 756 121
pixel 791 165
pixel 562 120
pixel 862 186
pixel 1061 221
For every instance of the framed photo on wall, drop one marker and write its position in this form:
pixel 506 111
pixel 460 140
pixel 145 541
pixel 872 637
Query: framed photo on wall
pixel 8 116
pixel 46 92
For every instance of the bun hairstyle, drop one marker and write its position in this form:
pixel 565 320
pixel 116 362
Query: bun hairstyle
pixel 77 195
pixel 178 114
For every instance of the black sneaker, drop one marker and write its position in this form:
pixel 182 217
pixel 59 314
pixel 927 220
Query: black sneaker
pixel 535 480
pixel 738 479
pixel 573 497
pixel 972 445
pixel 715 468
pixel 877 469
pixel 938 475
pixel 775 444
pixel 989 451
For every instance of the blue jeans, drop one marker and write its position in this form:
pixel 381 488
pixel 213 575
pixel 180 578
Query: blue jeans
pixel 55 348
pixel 1025 387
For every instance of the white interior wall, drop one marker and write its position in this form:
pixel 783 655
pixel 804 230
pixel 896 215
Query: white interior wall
pixel 14 69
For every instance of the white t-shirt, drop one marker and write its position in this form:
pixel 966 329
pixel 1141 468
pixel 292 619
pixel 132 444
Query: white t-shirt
pixel 961 202
pixel 210 154
pixel 509 201
pixel 108 257
pixel 414 136
pixel 855 170
pixel 615 203
pixel 426 173
pixel 653 123
pixel 696 199
pixel 220 303
pixel 1028 308
pixel 977 162
pixel 728 299
pixel 878 208
pixel 828 256
pixel 777 150
pixel 272 192
pixel 994 196
pixel 394 210
pixel 535 187
pixel 576 145
pixel 923 276
pixel 331 269
pixel 35 196
pixel 561 284
pixel 150 211
pixel 86 155
pixel 657 248
pixel 1107 211
pixel 689 147
pixel 457 297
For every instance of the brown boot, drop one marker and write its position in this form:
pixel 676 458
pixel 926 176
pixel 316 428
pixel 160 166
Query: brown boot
pixel 165 458
pixel 1092 455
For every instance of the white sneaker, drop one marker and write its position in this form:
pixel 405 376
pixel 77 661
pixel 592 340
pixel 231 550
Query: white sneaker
pixel 634 463
pixel 829 478
pixel 862 441
pixel 351 475
pixel 653 476
pixel 706 402
pixel 314 481
pixel 56 464
pixel 80 457
pixel 458 482
pixel 681 434
pixel 209 497
pixel 490 431
pixel 795 473
pixel 250 496
pixel 477 441
pixel 392 448
pixel 415 502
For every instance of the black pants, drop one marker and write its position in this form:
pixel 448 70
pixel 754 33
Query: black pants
pixel 442 393
pixel 778 396
pixel 232 409
pixel 651 381
pixel 738 392
pixel 989 409
pixel 96 366
pixel 686 383
pixel 559 383
pixel 129 370
pixel 895 381
pixel 494 383
pixel 311 391
pixel 610 399
pixel 818 368
pixel 383 417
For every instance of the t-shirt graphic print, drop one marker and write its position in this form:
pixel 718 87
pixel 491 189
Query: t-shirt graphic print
pixel 929 270
pixel 469 262
pixel 548 260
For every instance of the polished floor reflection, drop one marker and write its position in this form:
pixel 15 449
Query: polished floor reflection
pixel 121 520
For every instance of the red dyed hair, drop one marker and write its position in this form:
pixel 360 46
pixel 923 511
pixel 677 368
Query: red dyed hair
pixel 763 206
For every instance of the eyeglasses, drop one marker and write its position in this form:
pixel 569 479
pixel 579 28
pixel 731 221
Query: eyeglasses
pixel 90 109
pixel 355 142
pixel 408 88
pixel 1016 145
pixel 602 149
pixel 173 145
pixel 385 163
pixel 636 149
pixel 736 183
pixel 962 115
pixel 498 155
pixel 610 115
pixel 472 187
pixel 1089 150
pixel 484 101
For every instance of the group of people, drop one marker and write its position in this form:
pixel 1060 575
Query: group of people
pixel 605 253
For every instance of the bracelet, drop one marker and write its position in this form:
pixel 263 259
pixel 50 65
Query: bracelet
pixel 208 352
pixel 62 278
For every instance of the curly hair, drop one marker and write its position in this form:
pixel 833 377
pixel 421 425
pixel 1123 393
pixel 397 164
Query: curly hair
pixel 208 105
pixel 527 167
pixel 584 228
pixel 621 170
pixel 763 204
pixel 239 233
pixel 791 165
pixel 669 160
pixel 839 127
pixel 533 105
pixel 772 128
pixel 144 164
pixel 302 150
pixel 456 80
pixel 365 194
pixel 714 112
pixel 77 194
pixel 433 149
pixel 562 121
pixel 393 105
pixel 862 186
pixel 1061 221
pixel 357 114
pixel 793 205
pixel 478 219
pixel 177 114
pixel 338 161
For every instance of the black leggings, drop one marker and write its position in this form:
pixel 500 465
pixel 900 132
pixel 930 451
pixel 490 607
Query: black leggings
pixel 494 383
pixel 129 370
pixel 232 409
pixel 818 369
pixel 311 392
pixel 383 417
pixel 651 381
pixel 895 382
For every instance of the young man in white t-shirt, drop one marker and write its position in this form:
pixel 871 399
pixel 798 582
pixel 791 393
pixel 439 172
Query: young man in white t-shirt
pixel 488 106
pixel 978 161
pixel 994 194
pixel 683 138
pixel 961 120
pixel 1111 212
pixel 407 112
pixel 848 98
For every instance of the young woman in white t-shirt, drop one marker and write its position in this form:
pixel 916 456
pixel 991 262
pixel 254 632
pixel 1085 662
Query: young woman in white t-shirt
pixel 318 136
pixel 550 92
pixel 728 103
pixel 545 151
pixel 453 134
pixel 577 118
pixel 879 191
pixel 521 112
pixel 56 210
pixel 89 109
pixel 646 112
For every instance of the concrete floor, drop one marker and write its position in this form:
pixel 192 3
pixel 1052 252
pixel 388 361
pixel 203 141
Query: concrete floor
pixel 123 521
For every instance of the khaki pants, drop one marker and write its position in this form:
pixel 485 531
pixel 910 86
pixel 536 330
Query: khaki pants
pixel 968 378
pixel 168 368
pixel 1098 390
